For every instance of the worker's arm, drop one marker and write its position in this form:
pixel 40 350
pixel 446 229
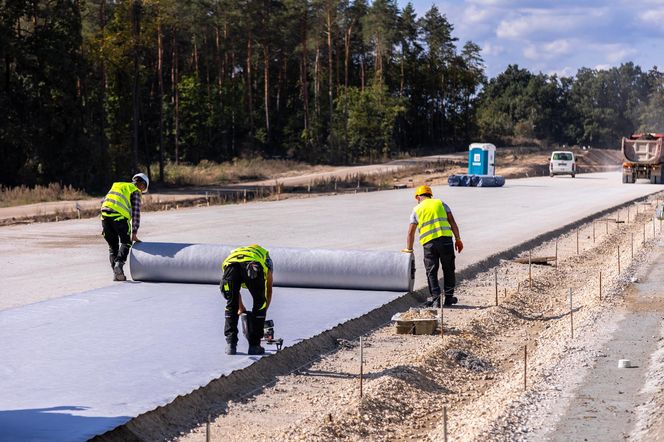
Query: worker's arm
pixel 410 237
pixel 135 215
pixel 458 244
pixel 268 295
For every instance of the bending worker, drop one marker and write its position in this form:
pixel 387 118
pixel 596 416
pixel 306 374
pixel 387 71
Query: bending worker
pixel 249 267
pixel 120 220
pixel 435 223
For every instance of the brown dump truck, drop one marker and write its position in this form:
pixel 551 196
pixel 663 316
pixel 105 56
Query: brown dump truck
pixel 644 156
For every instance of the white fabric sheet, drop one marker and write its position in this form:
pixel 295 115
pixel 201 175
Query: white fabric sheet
pixel 81 365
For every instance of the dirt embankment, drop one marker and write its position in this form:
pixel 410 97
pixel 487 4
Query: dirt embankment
pixel 475 371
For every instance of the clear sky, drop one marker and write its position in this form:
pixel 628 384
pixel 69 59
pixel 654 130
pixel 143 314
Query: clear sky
pixel 557 36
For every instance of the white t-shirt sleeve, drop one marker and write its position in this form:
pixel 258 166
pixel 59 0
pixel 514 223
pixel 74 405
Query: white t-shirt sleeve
pixel 413 218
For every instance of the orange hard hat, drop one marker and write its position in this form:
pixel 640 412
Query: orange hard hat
pixel 423 190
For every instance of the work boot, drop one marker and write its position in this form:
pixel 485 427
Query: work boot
pixel 231 349
pixel 433 302
pixel 256 350
pixel 450 300
pixel 118 272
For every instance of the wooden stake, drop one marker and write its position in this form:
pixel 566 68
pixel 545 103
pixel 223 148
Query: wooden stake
pixel 444 424
pixel 571 314
pixel 361 363
pixel 530 269
pixel 495 280
pixel 600 285
pixel 525 367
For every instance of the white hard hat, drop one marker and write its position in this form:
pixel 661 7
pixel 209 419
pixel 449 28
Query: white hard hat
pixel 143 177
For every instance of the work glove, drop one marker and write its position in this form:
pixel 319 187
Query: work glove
pixel 458 245
pixel 407 250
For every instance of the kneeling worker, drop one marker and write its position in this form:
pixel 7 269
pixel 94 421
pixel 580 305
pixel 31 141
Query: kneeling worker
pixel 120 219
pixel 249 267
pixel 435 223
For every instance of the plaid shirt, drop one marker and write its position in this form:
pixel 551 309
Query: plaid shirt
pixel 135 211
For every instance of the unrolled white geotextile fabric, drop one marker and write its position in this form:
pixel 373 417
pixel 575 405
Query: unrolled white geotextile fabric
pixel 78 366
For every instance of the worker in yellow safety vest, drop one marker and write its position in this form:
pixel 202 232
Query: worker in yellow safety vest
pixel 120 220
pixel 249 267
pixel 436 225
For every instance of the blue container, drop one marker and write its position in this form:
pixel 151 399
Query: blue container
pixel 482 159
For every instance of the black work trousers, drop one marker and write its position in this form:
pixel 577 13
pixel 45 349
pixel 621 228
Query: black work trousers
pixel 440 251
pixel 252 275
pixel 117 233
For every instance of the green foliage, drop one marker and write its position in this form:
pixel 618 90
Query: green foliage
pixel 94 90
pixel 364 122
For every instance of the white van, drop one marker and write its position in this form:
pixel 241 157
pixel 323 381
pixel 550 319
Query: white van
pixel 562 163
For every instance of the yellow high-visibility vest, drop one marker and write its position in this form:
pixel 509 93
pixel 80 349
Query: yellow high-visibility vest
pixel 432 220
pixel 118 198
pixel 245 254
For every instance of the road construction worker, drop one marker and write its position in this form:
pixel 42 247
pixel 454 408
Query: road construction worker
pixel 250 267
pixel 434 221
pixel 120 220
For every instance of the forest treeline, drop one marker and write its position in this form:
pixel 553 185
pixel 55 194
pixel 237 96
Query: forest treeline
pixel 93 90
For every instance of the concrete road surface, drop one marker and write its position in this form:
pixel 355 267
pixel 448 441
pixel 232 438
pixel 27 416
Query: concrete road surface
pixel 44 261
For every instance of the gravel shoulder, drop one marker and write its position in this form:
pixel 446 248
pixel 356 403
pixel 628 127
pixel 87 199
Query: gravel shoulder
pixel 476 370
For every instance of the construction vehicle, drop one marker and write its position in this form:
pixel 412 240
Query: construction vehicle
pixel 644 158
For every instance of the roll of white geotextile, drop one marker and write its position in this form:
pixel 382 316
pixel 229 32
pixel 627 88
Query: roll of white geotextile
pixel 293 267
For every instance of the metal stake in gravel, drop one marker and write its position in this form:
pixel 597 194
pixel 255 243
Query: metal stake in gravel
pixel 644 233
pixel 627 214
pixel 207 430
pixel 361 363
pixel 495 280
pixel 607 226
pixel 653 227
pixel 577 241
pixel 632 245
pixel 571 314
pixel 593 232
pixel 444 424
pixel 525 367
pixel 442 328
pixel 600 285
pixel 556 253
pixel 619 260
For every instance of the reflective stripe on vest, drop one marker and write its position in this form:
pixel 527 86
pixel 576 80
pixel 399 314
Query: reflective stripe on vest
pixel 432 220
pixel 118 198
pixel 250 254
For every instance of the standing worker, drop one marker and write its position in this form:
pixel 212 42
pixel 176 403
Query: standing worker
pixel 250 267
pixel 120 219
pixel 435 223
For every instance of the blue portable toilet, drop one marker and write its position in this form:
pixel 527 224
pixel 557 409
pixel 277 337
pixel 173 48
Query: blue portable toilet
pixel 482 159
